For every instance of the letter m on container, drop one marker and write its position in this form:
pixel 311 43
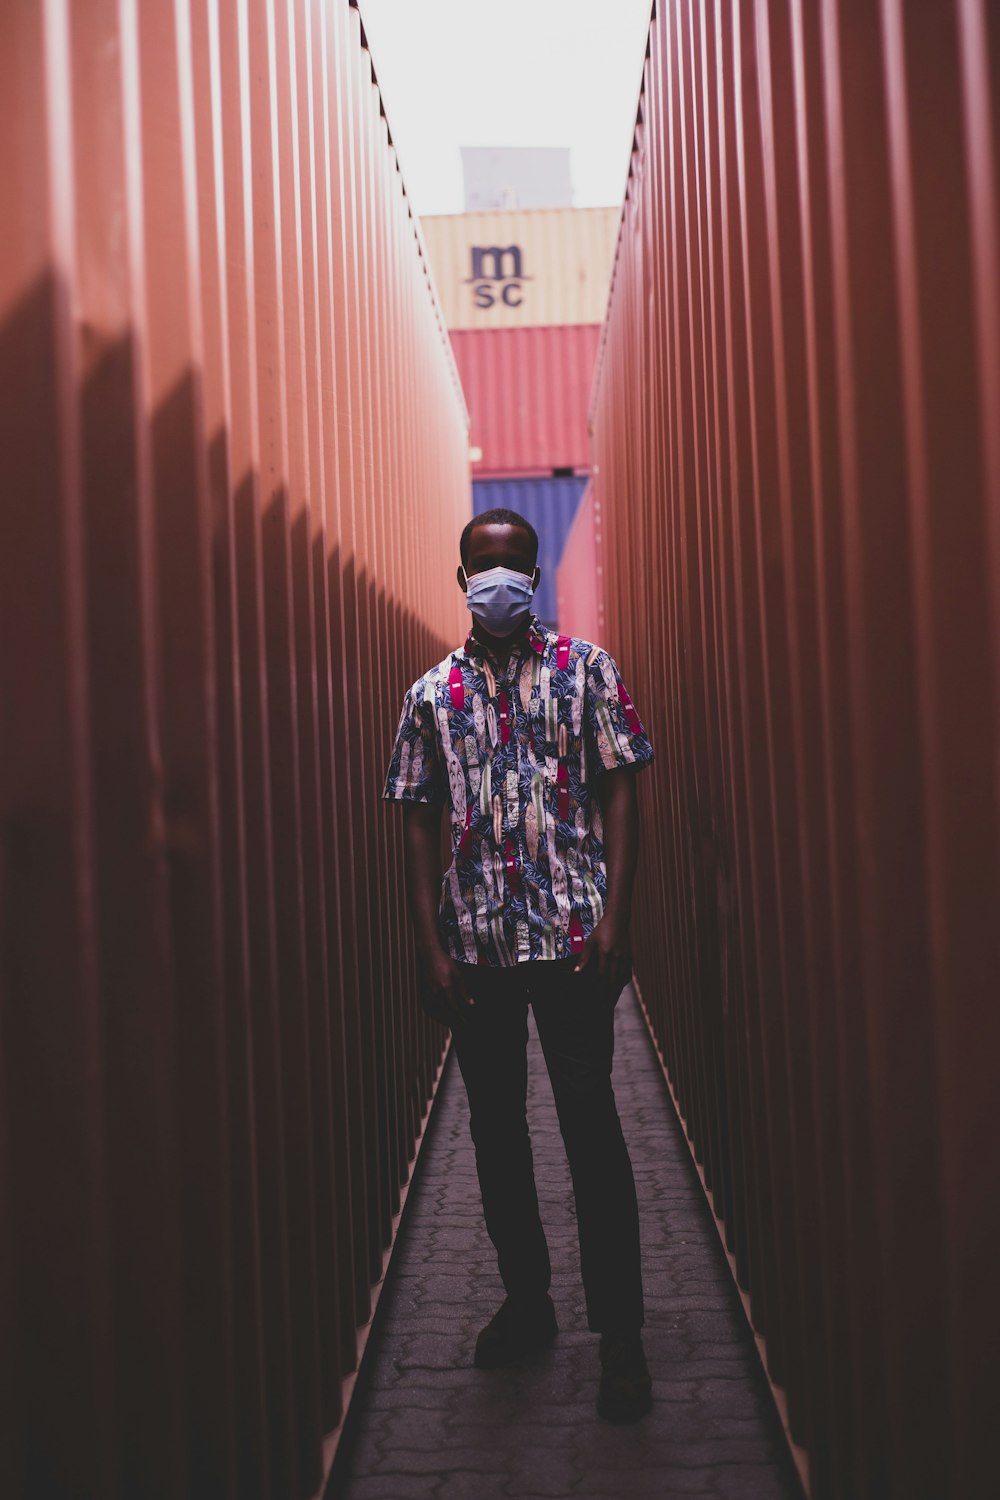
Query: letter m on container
pixel 490 265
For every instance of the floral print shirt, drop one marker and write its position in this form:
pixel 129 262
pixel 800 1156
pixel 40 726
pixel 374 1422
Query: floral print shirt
pixel 515 754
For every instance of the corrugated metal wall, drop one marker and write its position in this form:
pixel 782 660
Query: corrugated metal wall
pixel 550 505
pixel 522 268
pixel 580 574
pixel 797 429
pixel 231 428
pixel 528 390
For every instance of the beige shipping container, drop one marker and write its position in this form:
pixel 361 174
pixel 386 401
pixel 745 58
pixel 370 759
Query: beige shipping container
pixel 523 268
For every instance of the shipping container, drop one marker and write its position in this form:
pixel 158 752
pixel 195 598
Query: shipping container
pixel 797 457
pixel 550 505
pixel 579 576
pixel 522 268
pixel 232 429
pixel 527 391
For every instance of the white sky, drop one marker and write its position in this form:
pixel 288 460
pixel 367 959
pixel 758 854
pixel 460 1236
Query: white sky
pixel 508 73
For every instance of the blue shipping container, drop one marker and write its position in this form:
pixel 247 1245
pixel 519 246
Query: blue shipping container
pixel 551 506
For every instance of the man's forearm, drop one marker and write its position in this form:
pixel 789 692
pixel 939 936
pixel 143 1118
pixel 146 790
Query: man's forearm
pixel 621 842
pixel 422 854
pixel 444 993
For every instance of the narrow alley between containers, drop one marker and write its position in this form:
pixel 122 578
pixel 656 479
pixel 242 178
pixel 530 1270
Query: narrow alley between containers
pixel 250 405
pixel 425 1423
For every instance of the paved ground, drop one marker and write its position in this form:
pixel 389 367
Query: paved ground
pixel 425 1423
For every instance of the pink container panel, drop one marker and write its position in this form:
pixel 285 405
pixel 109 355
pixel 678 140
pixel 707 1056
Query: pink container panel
pixel 527 390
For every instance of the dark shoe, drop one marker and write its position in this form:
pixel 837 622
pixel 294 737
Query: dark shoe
pixel 517 1329
pixel 626 1392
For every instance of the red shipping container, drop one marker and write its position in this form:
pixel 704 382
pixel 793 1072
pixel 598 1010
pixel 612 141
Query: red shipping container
pixel 232 430
pixel 528 390
pixel 796 451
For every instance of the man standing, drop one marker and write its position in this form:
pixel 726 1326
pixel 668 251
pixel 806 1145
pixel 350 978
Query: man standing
pixel 531 740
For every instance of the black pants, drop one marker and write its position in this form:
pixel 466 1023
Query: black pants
pixel 574 1014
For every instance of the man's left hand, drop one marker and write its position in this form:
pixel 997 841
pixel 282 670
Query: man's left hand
pixel 608 954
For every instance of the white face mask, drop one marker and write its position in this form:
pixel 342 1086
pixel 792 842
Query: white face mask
pixel 499 599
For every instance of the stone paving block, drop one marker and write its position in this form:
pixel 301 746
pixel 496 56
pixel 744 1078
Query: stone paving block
pixel 706 1325
pixel 392 1487
pixel 425 1423
pixel 462 1486
pixel 402 1432
pixel 670 1488
pixel 661 1482
pixel 434 1351
pixel 537 1470
pixel 441 1460
pixel 420 1400
pixel 747 1482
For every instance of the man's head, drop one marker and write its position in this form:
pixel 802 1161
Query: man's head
pixel 499 571
pixel 498 538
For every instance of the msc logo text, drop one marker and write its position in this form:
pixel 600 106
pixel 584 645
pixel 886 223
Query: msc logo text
pixel 497 275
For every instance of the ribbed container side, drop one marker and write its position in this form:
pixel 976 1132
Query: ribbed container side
pixel 527 390
pixel 550 505
pixel 232 431
pixel 523 269
pixel 797 452
pixel 579 592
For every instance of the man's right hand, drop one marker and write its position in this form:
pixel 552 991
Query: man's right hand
pixel 444 995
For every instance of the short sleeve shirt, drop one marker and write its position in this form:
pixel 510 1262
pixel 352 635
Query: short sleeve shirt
pixel 515 755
